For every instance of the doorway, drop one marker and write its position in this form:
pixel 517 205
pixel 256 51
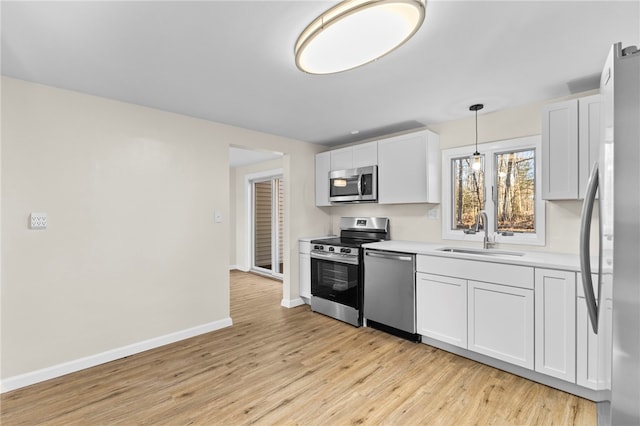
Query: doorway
pixel 267 228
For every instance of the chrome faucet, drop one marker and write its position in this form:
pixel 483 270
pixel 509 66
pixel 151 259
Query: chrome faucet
pixel 485 242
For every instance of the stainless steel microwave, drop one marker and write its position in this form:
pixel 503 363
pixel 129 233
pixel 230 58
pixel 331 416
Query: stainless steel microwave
pixel 354 185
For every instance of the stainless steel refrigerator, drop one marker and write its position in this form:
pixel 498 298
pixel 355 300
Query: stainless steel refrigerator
pixel 616 178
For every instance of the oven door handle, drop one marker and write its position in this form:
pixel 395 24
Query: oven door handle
pixel 335 257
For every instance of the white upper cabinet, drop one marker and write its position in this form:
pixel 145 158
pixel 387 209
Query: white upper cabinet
pixel 342 158
pixel 560 150
pixel 570 134
pixel 409 168
pixel 589 139
pixel 362 155
pixel 323 166
pixel 365 154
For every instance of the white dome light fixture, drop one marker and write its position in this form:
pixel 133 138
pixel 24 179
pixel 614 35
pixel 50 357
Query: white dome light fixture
pixel 356 32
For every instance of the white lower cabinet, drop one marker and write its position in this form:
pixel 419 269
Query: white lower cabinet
pixel 555 312
pixel 442 308
pixel 534 318
pixel 500 322
pixel 304 249
pixel 592 358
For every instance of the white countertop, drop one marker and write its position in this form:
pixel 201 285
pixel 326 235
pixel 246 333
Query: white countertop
pixel 563 261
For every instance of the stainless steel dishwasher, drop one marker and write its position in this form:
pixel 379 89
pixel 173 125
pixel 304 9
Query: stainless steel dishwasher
pixel 390 292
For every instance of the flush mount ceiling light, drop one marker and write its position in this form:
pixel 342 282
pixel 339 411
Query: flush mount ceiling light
pixel 356 32
pixel 476 158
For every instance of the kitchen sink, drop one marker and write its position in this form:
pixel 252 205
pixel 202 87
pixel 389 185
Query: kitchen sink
pixel 480 252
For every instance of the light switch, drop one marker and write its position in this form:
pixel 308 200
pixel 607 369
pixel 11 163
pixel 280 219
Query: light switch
pixel 217 217
pixel 38 221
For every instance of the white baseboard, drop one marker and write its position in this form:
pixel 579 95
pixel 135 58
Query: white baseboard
pixel 232 267
pixel 292 303
pixel 26 379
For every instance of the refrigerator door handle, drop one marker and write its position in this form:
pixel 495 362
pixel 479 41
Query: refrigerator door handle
pixel 585 234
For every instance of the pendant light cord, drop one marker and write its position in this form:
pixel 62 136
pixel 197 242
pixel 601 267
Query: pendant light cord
pixel 476 153
pixel 475 108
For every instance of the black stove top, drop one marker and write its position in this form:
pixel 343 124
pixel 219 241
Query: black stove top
pixel 356 231
pixel 344 242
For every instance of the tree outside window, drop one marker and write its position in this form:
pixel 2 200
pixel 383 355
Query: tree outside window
pixel 469 193
pixel 505 187
pixel 515 191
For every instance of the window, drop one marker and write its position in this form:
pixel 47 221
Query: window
pixel 515 191
pixel 505 187
pixel 468 193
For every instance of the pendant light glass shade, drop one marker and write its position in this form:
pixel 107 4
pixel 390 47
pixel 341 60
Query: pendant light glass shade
pixel 356 32
pixel 476 157
pixel 476 161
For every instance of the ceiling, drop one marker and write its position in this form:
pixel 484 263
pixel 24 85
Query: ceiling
pixel 232 61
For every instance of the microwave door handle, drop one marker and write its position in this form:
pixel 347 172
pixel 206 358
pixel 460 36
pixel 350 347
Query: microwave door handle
pixel 585 236
pixel 360 184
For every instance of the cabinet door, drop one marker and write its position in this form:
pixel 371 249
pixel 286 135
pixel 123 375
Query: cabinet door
pixel 555 324
pixel 305 276
pixel 342 158
pixel 592 356
pixel 365 154
pixel 560 150
pixel 323 161
pixel 500 322
pixel 589 138
pixel 409 169
pixel 441 304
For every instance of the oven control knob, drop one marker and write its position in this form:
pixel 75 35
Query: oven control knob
pixel 345 250
pixel 318 247
pixel 331 249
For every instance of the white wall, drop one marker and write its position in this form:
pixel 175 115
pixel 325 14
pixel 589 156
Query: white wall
pixel 232 218
pixel 241 192
pixel 410 222
pixel 132 252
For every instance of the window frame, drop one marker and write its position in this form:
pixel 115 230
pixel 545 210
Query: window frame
pixel 489 150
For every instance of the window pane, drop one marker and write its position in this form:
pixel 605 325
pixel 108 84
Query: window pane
pixel 516 191
pixel 468 193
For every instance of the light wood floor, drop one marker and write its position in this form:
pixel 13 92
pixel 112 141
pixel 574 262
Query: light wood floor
pixel 291 366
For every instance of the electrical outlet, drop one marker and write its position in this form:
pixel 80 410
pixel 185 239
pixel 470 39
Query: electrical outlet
pixel 432 213
pixel 217 217
pixel 38 221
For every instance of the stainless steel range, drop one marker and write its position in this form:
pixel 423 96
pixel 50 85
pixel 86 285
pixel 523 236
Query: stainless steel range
pixel 337 268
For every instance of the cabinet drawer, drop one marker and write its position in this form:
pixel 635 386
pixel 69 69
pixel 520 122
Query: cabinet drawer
pixel 499 273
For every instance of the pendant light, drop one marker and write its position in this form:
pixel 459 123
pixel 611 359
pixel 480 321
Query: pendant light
pixel 476 158
pixel 356 32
